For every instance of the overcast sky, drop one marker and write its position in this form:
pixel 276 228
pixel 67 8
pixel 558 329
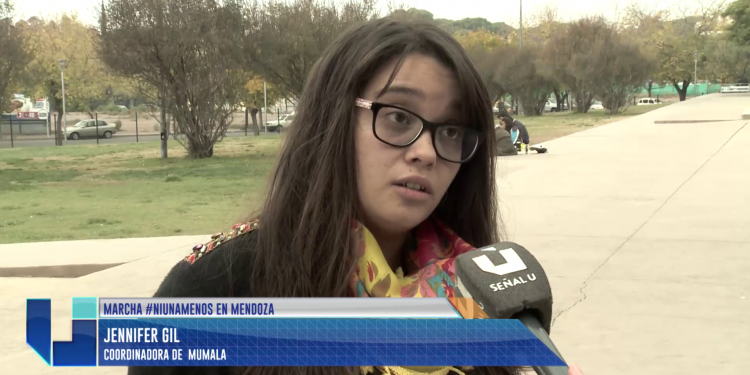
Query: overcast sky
pixel 493 10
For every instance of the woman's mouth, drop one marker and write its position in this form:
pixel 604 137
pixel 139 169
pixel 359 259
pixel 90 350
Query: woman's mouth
pixel 413 192
pixel 412 186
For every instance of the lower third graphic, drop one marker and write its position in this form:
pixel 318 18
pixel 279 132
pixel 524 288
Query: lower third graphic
pixel 81 350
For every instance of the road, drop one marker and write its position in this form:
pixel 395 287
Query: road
pixel 5 142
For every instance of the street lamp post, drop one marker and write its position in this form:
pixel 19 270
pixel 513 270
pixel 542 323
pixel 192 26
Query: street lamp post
pixel 519 106
pixel 265 103
pixel 520 31
pixel 64 120
pixel 695 73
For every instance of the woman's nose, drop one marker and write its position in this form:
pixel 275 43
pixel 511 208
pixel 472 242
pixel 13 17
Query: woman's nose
pixel 422 150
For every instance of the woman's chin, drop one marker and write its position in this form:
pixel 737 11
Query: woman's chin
pixel 406 219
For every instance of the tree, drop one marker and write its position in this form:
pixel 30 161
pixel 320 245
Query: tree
pixel 253 98
pixel 675 59
pixel 546 22
pixel 86 77
pixel 644 25
pixel 727 61
pixel 520 73
pixel 286 38
pixel 477 23
pixel 187 50
pixel 568 58
pixel 14 55
pixel 412 14
pixel 685 39
pixel 739 29
pixel 621 71
pixel 484 50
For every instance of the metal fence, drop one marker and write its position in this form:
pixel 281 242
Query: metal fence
pixel 16 132
pixel 693 90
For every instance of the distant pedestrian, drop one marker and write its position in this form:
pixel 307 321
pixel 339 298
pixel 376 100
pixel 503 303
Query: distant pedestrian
pixel 512 126
pixel 503 143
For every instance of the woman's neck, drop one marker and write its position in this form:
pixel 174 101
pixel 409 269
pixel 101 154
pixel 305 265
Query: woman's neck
pixel 391 245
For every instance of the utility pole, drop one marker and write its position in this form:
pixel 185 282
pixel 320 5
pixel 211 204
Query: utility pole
pixel 520 45
pixel 265 102
pixel 520 32
pixel 695 72
pixel 64 120
pixel 164 124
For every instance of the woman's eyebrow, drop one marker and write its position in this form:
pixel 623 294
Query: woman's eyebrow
pixel 400 89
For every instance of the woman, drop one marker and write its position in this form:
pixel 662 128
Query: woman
pixel 504 142
pixel 388 170
pixel 516 127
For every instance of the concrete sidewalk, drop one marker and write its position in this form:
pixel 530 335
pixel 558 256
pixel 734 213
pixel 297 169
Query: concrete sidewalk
pixel 642 227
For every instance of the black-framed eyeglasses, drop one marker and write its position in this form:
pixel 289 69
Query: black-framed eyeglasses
pixel 399 127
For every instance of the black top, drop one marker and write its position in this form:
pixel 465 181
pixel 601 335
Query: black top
pixel 523 133
pixel 221 272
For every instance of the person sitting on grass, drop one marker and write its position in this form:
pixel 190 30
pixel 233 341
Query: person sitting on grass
pixel 504 143
pixel 517 130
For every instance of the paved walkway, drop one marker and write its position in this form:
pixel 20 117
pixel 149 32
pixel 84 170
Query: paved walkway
pixel 645 231
pixel 643 228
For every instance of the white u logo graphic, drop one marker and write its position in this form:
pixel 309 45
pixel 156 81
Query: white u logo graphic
pixel 513 263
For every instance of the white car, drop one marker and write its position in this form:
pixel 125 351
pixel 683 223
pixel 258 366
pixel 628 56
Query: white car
pixel 647 101
pixel 736 87
pixel 550 106
pixel 282 122
pixel 596 105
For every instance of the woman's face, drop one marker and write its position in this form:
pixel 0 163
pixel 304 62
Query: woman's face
pixel 427 88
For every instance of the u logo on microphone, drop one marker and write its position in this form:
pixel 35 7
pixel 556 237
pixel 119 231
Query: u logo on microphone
pixel 513 262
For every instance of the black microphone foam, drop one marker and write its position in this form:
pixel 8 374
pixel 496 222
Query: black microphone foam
pixel 505 280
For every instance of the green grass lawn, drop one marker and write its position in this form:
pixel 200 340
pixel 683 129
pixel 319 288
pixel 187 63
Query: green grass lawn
pixel 555 125
pixel 127 190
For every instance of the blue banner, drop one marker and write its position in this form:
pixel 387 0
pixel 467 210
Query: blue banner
pixel 320 342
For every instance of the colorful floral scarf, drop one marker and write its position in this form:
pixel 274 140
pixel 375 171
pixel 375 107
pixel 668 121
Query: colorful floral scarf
pixel 429 272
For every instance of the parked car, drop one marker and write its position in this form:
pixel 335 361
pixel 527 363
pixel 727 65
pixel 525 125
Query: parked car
pixel 647 101
pixel 551 106
pixel 278 126
pixel 496 108
pixel 735 87
pixel 596 105
pixel 88 128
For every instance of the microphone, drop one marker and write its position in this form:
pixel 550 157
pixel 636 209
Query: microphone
pixel 507 282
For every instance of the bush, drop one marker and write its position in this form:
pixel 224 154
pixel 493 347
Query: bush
pixel 111 109
pixel 172 178
pixel 118 125
pixel 142 109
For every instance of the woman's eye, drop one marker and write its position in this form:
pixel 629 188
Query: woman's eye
pixel 452 132
pixel 399 117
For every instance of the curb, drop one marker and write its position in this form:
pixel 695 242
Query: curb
pixel 689 121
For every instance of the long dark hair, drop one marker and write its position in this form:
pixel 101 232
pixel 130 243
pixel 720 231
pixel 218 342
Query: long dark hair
pixel 304 244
